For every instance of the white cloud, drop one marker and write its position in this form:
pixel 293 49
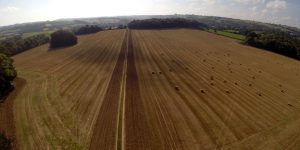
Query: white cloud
pixel 254 8
pixel 9 9
pixel 274 6
pixel 251 2
pixel 209 2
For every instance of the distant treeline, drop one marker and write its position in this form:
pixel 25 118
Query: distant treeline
pixel 275 42
pixel 88 29
pixel 15 45
pixel 165 23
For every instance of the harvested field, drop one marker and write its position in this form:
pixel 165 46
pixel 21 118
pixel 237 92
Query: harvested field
pixel 64 92
pixel 157 89
pixel 229 115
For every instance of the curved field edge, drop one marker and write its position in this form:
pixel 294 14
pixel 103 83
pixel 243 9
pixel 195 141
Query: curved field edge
pixel 7 121
pixel 58 107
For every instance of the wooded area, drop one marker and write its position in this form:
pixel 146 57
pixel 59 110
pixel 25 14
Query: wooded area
pixel 276 42
pixel 165 23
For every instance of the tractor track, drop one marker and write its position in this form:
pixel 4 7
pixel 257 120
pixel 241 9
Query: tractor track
pixel 109 132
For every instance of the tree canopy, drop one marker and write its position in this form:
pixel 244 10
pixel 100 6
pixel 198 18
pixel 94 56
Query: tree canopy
pixel 165 23
pixel 5 143
pixel 275 42
pixel 7 74
pixel 62 38
pixel 15 45
pixel 88 29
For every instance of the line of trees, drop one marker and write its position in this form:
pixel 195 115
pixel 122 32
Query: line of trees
pixel 15 45
pixel 7 75
pixel 88 29
pixel 166 23
pixel 10 47
pixel 276 42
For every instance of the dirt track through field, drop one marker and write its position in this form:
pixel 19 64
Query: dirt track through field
pixel 107 126
pixel 127 126
pixel 137 131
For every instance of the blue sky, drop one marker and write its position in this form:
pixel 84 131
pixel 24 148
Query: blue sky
pixel 274 11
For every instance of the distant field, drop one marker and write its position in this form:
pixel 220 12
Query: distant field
pixel 229 33
pixel 157 89
pixel 29 34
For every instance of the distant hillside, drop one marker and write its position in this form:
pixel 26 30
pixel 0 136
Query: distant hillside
pixel 244 26
pixel 219 23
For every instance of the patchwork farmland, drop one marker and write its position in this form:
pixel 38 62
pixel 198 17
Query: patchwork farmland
pixel 157 89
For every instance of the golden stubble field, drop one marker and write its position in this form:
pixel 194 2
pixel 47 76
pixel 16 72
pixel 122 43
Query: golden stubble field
pixel 157 89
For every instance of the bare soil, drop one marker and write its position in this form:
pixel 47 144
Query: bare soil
pixel 7 124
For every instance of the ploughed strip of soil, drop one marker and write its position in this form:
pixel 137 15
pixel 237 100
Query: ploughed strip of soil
pixel 105 130
pixel 7 124
pixel 137 132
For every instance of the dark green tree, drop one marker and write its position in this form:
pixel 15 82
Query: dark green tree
pixel 7 74
pixel 88 30
pixel 3 49
pixel 5 143
pixel 62 38
pixel 276 42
